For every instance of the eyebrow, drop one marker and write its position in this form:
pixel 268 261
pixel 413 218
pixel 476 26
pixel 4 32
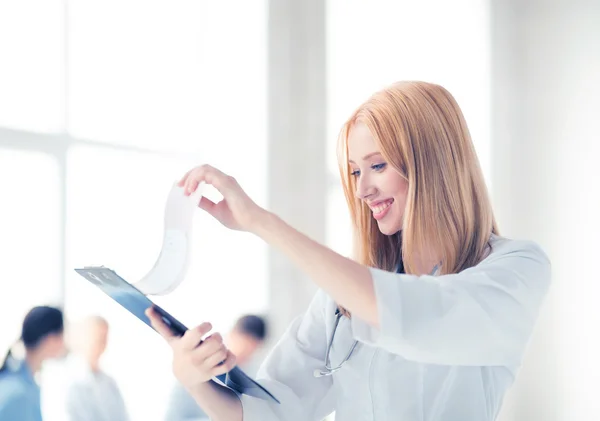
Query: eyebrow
pixel 366 156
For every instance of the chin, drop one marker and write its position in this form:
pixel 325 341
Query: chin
pixel 388 229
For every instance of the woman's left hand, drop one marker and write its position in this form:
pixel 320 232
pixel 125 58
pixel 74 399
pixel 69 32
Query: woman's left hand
pixel 236 211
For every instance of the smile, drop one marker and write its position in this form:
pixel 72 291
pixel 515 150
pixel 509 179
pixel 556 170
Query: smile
pixel 381 209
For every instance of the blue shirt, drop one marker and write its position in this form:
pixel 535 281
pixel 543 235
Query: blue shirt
pixel 19 394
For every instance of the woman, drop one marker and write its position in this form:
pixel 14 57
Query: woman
pixel 431 319
pixel 42 336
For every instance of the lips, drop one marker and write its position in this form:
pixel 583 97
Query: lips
pixel 381 208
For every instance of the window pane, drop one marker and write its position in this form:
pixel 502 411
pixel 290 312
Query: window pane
pixel 115 218
pixel 30 240
pixel 168 75
pixel 406 41
pixel 32 57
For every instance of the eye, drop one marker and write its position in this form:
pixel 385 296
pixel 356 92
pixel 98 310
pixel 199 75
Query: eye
pixel 378 167
pixel 355 173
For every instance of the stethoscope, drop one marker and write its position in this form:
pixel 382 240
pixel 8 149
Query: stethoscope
pixel 328 371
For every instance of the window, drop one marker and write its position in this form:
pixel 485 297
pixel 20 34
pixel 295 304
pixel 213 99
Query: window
pixel 31 232
pixel 167 75
pixel 115 101
pixel 32 70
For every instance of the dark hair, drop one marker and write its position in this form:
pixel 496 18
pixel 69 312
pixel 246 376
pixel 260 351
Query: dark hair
pixel 39 323
pixel 252 325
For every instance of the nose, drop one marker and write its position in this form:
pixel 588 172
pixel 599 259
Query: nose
pixel 364 188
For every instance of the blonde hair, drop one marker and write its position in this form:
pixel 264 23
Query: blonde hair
pixel 422 134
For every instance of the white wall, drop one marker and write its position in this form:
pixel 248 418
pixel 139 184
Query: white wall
pixel 545 116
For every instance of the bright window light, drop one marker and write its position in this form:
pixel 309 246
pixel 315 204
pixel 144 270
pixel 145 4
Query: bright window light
pixel 167 75
pixel 30 240
pixel 32 65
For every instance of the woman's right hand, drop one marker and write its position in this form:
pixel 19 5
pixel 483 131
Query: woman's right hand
pixel 194 364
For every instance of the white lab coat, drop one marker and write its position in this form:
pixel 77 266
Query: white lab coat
pixel 448 348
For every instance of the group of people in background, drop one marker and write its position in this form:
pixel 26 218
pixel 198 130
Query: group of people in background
pixel 78 389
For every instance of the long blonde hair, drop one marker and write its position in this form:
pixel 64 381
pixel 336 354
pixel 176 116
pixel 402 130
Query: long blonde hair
pixel 421 133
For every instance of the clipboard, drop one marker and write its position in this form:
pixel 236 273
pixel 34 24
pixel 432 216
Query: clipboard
pixel 134 301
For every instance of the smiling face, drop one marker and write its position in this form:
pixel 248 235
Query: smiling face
pixel 379 185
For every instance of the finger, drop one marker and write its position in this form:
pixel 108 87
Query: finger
pixel 193 337
pixel 210 175
pixel 207 205
pixel 210 171
pixel 209 346
pixel 227 365
pixel 216 358
pixel 181 182
pixel 192 176
pixel 193 179
pixel 160 326
pixel 191 185
pixel 220 180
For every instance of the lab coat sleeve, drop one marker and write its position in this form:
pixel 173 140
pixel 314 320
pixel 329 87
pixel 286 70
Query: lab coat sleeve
pixel 288 372
pixel 481 316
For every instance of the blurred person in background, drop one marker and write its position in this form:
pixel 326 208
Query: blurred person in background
pixel 244 340
pixel 78 389
pixel 431 318
pixel 42 338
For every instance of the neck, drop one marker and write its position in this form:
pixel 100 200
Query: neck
pixel 34 361
pixel 94 365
